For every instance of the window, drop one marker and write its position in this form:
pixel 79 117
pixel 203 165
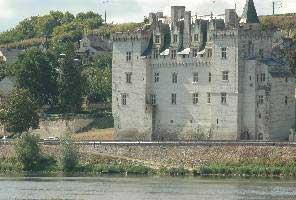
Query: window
pixel 175 38
pixel 174 99
pixel 153 99
pixel 286 100
pixel 157 39
pixel 224 53
pixel 195 37
pixel 194 52
pixel 156 77
pixel 155 53
pixel 175 78
pixel 225 76
pixel 123 99
pixel 128 56
pixel 262 77
pixel 174 53
pixel 195 98
pixel 210 53
pixel 210 77
pixel 257 77
pixel 261 99
pixel 195 77
pixel 209 97
pixel 128 77
pixel 286 79
pixel 261 53
pixel 260 116
pixel 223 98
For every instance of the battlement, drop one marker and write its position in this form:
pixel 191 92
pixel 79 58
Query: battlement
pixel 136 35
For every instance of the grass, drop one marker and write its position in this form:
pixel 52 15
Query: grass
pixel 247 170
pixel 95 134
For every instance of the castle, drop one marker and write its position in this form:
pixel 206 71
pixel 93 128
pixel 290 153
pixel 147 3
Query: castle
pixel 190 78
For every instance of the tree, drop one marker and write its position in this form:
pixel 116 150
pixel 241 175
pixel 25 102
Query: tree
pixel 69 81
pixel 97 84
pixel 35 71
pixel 28 151
pixel 19 112
pixel 68 153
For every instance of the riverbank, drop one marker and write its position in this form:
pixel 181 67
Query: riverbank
pixel 108 165
pixel 173 160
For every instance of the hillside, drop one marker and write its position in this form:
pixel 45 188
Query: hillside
pixel 58 26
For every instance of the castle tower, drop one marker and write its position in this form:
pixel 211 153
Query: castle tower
pixel 249 14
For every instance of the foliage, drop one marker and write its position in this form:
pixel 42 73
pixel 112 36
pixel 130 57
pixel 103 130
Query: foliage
pixel 283 22
pixel 69 81
pixel 107 30
pixel 28 151
pixel 35 71
pixel 19 112
pixel 97 84
pixel 68 154
pixel 50 25
pixel 248 169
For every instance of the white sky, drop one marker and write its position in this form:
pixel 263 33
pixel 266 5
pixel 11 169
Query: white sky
pixel 12 11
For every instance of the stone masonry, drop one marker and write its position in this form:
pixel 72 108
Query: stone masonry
pixel 189 78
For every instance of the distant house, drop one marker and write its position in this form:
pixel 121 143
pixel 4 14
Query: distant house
pixel 6 87
pixel 9 55
pixel 93 45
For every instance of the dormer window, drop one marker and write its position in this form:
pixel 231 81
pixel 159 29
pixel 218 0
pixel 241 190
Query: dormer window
pixel 210 53
pixel 155 53
pixel 173 54
pixel 195 37
pixel 157 39
pixel 175 38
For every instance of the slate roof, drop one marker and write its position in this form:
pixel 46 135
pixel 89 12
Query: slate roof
pixel 249 14
pixel 7 85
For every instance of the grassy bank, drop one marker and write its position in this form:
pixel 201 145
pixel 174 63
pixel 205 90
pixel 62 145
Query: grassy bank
pixel 11 165
pixel 247 169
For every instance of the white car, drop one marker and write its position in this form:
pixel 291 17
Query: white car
pixel 51 139
pixel 4 137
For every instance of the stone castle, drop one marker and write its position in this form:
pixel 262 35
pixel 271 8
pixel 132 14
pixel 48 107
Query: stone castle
pixel 189 78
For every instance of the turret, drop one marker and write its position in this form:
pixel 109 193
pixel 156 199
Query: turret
pixel 249 15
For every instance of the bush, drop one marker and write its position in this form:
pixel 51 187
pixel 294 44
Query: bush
pixel 28 152
pixel 68 154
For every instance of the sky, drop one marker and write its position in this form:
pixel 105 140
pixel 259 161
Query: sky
pixel 13 11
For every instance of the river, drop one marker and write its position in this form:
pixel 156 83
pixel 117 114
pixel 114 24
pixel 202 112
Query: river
pixel 147 188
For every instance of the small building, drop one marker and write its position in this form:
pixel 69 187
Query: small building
pixel 6 87
pixel 10 55
pixel 93 45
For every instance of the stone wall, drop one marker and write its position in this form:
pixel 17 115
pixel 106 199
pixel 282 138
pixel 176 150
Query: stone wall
pixel 191 156
pixel 182 155
pixel 56 128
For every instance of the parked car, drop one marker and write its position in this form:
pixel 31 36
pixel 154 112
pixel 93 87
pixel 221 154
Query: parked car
pixel 52 139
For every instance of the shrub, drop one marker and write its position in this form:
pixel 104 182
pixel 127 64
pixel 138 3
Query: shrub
pixel 28 152
pixel 68 154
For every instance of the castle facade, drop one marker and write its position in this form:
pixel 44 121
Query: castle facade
pixel 189 78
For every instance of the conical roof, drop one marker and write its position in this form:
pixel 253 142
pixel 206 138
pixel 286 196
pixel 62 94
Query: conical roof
pixel 249 15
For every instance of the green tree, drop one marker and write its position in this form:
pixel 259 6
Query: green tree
pixel 28 151
pixel 19 112
pixel 69 81
pixel 103 61
pixel 68 153
pixel 35 71
pixel 97 84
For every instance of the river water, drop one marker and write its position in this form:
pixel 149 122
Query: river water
pixel 147 188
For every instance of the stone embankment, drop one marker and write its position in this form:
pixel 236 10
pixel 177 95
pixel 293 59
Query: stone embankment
pixel 193 156
pixel 188 156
